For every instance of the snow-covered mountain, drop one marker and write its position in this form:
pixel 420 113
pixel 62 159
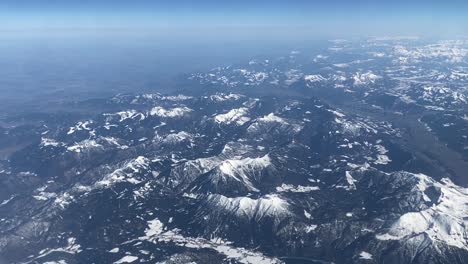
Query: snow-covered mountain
pixel 339 161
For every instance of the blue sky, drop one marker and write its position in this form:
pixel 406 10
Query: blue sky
pixel 332 18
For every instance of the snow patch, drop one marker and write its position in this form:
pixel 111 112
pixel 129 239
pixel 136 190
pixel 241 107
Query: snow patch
pixel 272 118
pixel 312 78
pixel 80 126
pixel 129 114
pixel 234 115
pixel 114 250
pixel 365 78
pixel 296 189
pixel 365 255
pixel 171 113
pixel 50 142
pixel 225 97
pixel 126 259
pixel 84 145
pixel 155 228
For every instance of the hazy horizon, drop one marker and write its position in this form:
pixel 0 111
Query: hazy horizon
pixel 247 20
pixel 56 46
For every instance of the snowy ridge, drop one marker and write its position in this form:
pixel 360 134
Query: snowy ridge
pixel 271 117
pixel 83 145
pixel 450 51
pixel 225 97
pixel 233 167
pixel 225 179
pixel 365 78
pixel 187 171
pixel 100 142
pixel 314 78
pixel 252 77
pixel 445 222
pixel 129 114
pixel 434 94
pixel 234 115
pixel 266 123
pixel 175 138
pixel 244 207
pixel 235 175
pixel 125 173
pixel 177 98
pixel 114 142
pixel 296 189
pixel 171 112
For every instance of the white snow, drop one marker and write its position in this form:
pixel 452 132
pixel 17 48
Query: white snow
pixel 63 199
pixel 252 77
pixel 114 250
pixel 50 142
pixel 155 227
pixel 172 112
pixel 377 54
pixel 243 170
pixel 266 123
pixel 71 248
pixel 365 78
pixel 444 222
pixel 382 158
pixel 314 78
pixel 44 196
pixel 225 97
pixel 296 189
pixel 129 114
pixel 351 181
pixel 83 145
pixel 125 173
pixel 238 254
pixel 6 201
pixel 266 206
pixel 293 76
pixel 80 126
pixel 320 57
pixel 272 205
pixel 341 65
pixel 234 115
pixel 155 234
pixel 365 255
pixel 114 141
pixel 232 167
pixel 55 262
pixel 177 137
pixel 448 50
pixel 336 113
pixel 311 228
pixel 126 259
pixel 272 118
pixel 179 97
